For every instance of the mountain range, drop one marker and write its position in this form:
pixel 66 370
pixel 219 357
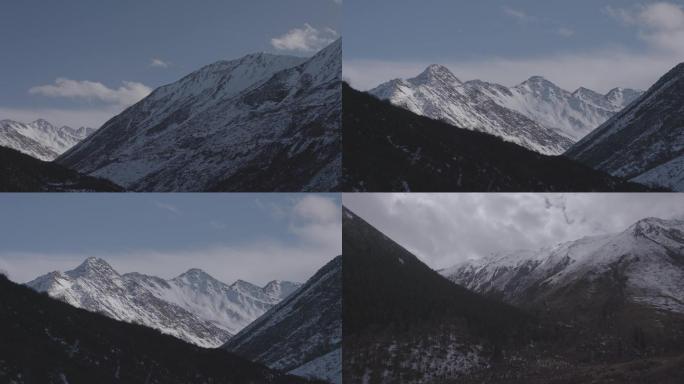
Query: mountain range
pixel 303 333
pixel 46 341
pixel 599 309
pixel 194 306
pixel 389 148
pixel 40 139
pixel 259 123
pixel 645 262
pixel 645 141
pixel 535 114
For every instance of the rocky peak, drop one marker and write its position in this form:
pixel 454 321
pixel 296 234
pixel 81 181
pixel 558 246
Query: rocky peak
pixel 435 74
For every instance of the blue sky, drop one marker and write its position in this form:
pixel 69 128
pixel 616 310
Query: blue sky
pixel 598 44
pixel 144 43
pixel 254 237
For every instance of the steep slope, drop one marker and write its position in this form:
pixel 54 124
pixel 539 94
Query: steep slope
pixel 645 141
pixel 535 114
pixel 45 341
pixel 302 334
pixel 620 295
pixel 438 94
pixel 40 139
pixel 194 306
pixel 22 173
pixel 260 123
pixel 387 148
pixel 647 260
pixel 403 322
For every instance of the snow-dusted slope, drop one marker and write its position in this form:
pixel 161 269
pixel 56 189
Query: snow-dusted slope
pixel 40 139
pixel 193 306
pixel 646 261
pixel 644 141
pixel 262 122
pixel 303 333
pixel 535 114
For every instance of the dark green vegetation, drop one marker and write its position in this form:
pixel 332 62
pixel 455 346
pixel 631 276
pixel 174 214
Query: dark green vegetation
pixel 387 148
pixel 23 173
pixel 46 341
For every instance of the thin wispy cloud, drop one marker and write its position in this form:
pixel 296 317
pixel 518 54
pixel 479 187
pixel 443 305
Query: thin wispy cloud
pixel 159 63
pixel 168 207
pixel 305 39
pixel 518 15
pixel 127 94
pixel 565 32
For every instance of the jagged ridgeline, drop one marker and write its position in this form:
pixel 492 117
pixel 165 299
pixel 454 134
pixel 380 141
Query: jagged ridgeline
pixel 645 141
pixel 303 333
pixel 260 123
pixel 46 341
pixel 388 148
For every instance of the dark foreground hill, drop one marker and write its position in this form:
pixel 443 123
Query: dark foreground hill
pixel 45 341
pixel 403 322
pixel 387 148
pixel 23 173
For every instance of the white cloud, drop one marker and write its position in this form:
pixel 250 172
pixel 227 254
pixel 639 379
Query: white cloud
pixel 167 207
pixel 660 24
pixel 519 15
pixel 443 229
pixel 565 32
pixel 128 94
pixel 338 2
pixel 306 39
pixel 93 118
pixel 159 63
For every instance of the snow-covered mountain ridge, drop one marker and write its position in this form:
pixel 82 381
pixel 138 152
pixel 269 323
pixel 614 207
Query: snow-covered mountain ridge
pixel 262 122
pixel 536 114
pixel 303 333
pixel 644 142
pixel 194 306
pixel 40 139
pixel 647 259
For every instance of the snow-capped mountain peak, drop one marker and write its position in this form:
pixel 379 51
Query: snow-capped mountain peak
pixel 646 259
pixel 193 306
pixel 213 128
pixel 536 113
pixel 435 74
pixel 93 267
pixel 40 138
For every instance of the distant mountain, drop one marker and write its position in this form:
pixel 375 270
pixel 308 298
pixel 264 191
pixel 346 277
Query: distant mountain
pixel 260 123
pixel 302 334
pixel 40 139
pixel 535 114
pixel 645 262
pixel 45 341
pixel 22 173
pixel 194 306
pixel 644 142
pixel 403 322
pixel 387 148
